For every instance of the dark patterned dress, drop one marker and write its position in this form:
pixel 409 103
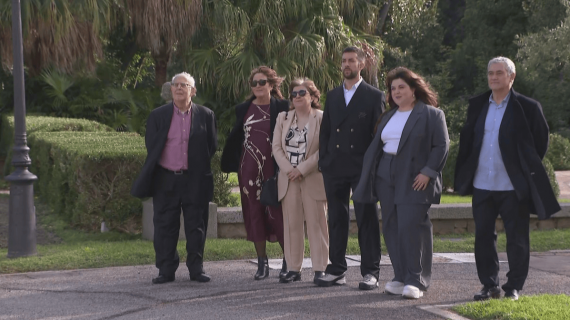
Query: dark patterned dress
pixel 256 165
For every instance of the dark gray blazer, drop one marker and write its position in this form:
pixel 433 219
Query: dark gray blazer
pixel 423 149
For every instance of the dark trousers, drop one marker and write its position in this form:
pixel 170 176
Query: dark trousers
pixel 407 230
pixel 338 196
pixel 487 205
pixel 173 194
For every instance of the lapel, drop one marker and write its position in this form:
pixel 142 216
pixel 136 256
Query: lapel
pixel 387 116
pixel 166 122
pixel 195 121
pixel 480 126
pixel 312 130
pixel 345 110
pixel 286 126
pixel 506 123
pixel 409 126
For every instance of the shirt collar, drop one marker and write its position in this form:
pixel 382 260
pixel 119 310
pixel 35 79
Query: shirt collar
pixel 177 111
pixel 503 103
pixel 354 87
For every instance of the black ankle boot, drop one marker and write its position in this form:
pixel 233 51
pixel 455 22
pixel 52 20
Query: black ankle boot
pixel 262 268
pixel 283 271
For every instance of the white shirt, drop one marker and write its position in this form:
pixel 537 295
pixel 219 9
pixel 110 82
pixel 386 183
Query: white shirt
pixel 393 131
pixel 349 93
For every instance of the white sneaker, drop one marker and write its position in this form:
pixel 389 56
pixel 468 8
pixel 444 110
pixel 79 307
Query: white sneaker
pixel 412 292
pixel 394 287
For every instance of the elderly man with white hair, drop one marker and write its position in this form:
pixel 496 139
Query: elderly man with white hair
pixel 501 148
pixel 181 139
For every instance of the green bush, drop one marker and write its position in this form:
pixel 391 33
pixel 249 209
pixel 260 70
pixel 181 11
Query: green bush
pixel 551 176
pixel 42 124
pixel 449 169
pixel 559 152
pixel 86 177
pixel 222 185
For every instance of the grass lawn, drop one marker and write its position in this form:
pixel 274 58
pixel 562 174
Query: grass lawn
pixel 545 306
pixel 80 249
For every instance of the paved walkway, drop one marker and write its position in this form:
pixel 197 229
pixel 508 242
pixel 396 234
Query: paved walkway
pixel 127 292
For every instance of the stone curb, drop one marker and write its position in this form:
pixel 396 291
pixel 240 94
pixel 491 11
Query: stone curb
pixel 441 310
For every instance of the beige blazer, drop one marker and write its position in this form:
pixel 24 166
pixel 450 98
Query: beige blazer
pixel 312 177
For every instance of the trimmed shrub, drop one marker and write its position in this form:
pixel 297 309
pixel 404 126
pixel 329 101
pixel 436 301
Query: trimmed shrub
pixel 222 186
pixel 449 169
pixel 43 124
pixel 86 177
pixel 551 176
pixel 559 152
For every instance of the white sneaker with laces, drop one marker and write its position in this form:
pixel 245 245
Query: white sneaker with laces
pixel 412 292
pixel 394 287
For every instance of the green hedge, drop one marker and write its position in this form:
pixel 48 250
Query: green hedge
pixel 86 176
pixel 42 124
pixel 559 152
pixel 449 169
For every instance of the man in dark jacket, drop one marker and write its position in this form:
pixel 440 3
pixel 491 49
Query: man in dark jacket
pixel 501 148
pixel 351 112
pixel 180 139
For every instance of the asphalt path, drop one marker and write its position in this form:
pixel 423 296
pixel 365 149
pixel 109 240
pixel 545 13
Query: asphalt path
pixel 127 293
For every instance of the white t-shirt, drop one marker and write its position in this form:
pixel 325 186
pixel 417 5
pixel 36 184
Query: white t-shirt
pixel 393 131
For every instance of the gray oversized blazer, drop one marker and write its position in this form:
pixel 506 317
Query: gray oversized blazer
pixel 423 149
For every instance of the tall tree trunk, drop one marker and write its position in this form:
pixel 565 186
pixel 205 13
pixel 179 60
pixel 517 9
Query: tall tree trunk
pixel 382 16
pixel 160 65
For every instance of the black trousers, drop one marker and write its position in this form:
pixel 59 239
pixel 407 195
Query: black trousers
pixel 173 194
pixel 338 196
pixel 407 229
pixel 487 205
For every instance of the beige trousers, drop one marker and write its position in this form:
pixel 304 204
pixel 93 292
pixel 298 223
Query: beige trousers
pixel 298 207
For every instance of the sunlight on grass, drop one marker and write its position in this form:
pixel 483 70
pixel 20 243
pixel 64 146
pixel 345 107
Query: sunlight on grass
pixel 546 306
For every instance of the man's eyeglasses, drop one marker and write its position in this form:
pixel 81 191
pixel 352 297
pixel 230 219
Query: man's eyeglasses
pixel 301 93
pixel 181 85
pixel 261 83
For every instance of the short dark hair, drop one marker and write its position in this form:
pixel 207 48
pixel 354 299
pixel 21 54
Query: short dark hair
pixel 359 53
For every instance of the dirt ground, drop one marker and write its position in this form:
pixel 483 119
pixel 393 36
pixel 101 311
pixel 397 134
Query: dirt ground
pixel 42 236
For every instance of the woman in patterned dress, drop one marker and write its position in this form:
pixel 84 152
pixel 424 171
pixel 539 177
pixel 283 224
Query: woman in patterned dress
pixel 248 152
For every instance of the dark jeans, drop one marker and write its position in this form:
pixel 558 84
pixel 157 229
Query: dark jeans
pixel 168 201
pixel 487 205
pixel 338 195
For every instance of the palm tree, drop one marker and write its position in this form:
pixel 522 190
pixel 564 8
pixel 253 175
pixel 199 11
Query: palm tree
pixel 162 25
pixel 61 33
pixel 295 37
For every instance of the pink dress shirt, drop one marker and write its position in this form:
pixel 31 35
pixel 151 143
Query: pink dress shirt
pixel 175 153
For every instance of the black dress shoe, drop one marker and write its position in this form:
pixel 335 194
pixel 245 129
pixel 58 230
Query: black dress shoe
pixel 283 271
pixel 202 277
pixel 512 294
pixel 318 275
pixel 262 268
pixel 163 279
pixel 290 277
pixel 488 293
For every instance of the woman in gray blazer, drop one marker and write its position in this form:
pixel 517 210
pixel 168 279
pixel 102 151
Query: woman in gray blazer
pixel 402 168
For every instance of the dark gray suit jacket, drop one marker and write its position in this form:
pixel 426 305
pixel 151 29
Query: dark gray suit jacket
pixel 423 149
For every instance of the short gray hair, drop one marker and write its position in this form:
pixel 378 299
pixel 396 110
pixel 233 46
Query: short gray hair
pixel 509 64
pixel 186 75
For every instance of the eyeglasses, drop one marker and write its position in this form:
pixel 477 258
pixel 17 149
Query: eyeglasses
pixel 261 83
pixel 301 93
pixel 181 85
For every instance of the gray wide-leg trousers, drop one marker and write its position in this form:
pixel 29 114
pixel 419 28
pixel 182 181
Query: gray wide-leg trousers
pixel 407 230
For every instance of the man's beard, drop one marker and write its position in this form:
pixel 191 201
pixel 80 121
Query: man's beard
pixel 352 75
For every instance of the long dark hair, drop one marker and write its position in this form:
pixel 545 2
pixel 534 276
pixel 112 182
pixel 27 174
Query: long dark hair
pixel 421 88
pixel 272 77
pixel 312 90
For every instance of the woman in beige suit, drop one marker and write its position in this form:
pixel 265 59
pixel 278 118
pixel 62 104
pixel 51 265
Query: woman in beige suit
pixel 300 183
